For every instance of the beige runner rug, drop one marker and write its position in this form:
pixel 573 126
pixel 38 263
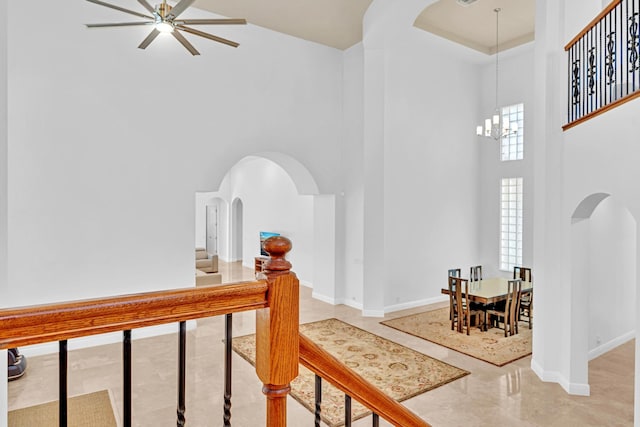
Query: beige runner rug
pixel 398 371
pixel 490 346
pixel 85 410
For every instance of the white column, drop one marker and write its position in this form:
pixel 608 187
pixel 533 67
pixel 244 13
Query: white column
pixel 551 332
pixel 579 361
pixel 3 192
pixel 324 254
pixel 374 224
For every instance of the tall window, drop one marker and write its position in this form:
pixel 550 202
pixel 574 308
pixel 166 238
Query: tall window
pixel 512 146
pixel 511 223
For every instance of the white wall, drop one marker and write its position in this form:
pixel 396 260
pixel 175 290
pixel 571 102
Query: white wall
pixel 611 275
pixel 430 168
pixel 109 143
pixel 515 86
pixel 271 203
pixel 353 86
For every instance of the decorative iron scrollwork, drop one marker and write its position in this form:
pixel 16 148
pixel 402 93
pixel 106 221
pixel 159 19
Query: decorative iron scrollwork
pixel 591 71
pixel 610 58
pixel 633 44
pixel 575 81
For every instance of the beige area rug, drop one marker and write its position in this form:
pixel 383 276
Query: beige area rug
pixel 490 346
pixel 86 410
pixel 397 370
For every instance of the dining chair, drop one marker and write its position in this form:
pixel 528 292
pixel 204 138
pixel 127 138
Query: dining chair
pixel 526 299
pixel 452 272
pixel 475 273
pixel 523 273
pixel 462 311
pixel 510 312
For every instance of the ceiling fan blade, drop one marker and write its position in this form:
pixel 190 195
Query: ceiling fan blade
pixel 146 5
pixel 207 36
pixel 232 21
pixel 118 24
pixel 185 43
pixel 180 7
pixel 151 37
pixel 121 9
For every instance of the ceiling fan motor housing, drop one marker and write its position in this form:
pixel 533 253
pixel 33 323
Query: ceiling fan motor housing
pixel 465 2
pixel 163 10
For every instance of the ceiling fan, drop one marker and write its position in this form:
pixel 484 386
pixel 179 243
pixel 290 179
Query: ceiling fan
pixel 164 20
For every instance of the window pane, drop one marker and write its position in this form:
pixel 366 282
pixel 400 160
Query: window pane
pixel 512 145
pixel 511 223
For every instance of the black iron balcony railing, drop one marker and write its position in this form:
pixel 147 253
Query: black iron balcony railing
pixel 604 62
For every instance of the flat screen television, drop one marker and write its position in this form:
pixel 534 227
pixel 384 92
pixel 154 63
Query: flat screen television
pixel 264 235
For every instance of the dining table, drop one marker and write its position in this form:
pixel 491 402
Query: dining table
pixel 490 291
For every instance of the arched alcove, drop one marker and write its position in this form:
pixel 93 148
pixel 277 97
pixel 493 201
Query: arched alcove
pixel 603 281
pixel 274 192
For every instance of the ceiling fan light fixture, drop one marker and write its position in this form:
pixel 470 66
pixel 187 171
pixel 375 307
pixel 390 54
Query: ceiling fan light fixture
pixel 164 27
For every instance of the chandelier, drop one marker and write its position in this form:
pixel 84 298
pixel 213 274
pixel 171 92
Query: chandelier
pixel 497 126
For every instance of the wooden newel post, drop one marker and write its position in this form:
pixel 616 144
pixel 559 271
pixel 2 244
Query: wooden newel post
pixel 277 344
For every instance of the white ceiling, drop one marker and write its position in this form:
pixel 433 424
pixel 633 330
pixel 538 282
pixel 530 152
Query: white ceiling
pixel 338 23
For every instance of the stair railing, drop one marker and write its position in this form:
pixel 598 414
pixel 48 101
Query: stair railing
pixel 279 346
pixel 604 62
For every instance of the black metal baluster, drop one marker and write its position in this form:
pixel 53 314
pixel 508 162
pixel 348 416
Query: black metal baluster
pixel 583 78
pixel 569 118
pixel 347 410
pixel 636 46
pixel 62 383
pixel 375 421
pixel 600 74
pixel 182 368
pixel 625 21
pixel 620 68
pixel 228 324
pixel 318 400
pixel 126 376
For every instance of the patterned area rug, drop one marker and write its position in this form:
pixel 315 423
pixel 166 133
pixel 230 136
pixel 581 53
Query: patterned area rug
pixel 490 346
pixel 397 370
pixel 85 410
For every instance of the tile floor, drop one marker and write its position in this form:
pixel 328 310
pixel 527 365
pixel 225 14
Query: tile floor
pixel 508 396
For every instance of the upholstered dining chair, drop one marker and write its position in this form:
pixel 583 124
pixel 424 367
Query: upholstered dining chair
pixel 452 272
pixel 510 312
pixel 462 311
pixel 526 299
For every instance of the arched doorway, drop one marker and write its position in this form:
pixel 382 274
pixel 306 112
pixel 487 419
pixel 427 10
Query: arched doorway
pixel 603 281
pixel 236 230
pixel 273 192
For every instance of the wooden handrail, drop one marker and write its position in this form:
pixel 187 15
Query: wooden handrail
pixel 614 104
pixel 323 364
pixel 279 345
pixel 55 322
pixel 593 22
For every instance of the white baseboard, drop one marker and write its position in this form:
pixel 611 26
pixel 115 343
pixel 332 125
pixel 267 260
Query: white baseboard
pixel 324 298
pixel 413 304
pixel 610 345
pixel 373 313
pixel 576 389
pixel 103 339
pixel 306 283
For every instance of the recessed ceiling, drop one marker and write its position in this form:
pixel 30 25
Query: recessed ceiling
pixel 338 23
pixel 335 23
pixel 474 25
